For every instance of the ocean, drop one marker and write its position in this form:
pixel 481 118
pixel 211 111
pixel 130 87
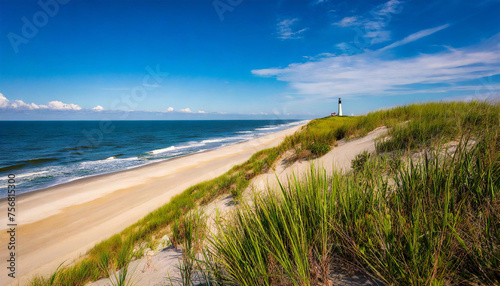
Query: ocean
pixel 48 153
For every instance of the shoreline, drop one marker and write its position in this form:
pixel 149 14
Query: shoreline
pixel 61 223
pixel 96 176
pixel 48 188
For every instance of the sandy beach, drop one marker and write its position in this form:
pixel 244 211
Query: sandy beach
pixel 61 223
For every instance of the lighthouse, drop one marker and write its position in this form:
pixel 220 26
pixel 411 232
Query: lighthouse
pixel 340 106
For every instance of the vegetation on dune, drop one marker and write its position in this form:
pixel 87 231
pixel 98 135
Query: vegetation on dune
pixel 373 227
pixel 412 127
pixel 190 233
pixel 437 223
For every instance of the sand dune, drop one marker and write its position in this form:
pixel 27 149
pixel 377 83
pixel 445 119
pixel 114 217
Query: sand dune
pixel 153 270
pixel 339 159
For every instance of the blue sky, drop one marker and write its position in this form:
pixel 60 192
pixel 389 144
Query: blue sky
pixel 229 59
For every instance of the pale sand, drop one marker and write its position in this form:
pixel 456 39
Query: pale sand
pixel 61 223
pixel 338 159
pixel 163 268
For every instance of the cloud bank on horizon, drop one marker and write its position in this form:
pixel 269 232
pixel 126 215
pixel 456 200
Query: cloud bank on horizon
pixel 58 105
pixel 52 105
pixel 289 60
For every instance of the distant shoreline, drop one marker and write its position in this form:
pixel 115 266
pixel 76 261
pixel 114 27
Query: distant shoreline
pixel 95 176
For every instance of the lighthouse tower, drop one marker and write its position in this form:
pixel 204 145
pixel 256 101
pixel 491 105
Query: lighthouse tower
pixel 340 106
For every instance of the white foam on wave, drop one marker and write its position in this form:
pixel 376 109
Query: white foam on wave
pixel 31 174
pixel 111 160
pixel 189 145
pixel 175 154
pixel 280 126
pixel 208 141
pixel 267 128
pixel 163 150
pixel 225 139
pixel 248 135
pixel 80 169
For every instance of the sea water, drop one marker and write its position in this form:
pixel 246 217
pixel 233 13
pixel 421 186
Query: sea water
pixel 47 153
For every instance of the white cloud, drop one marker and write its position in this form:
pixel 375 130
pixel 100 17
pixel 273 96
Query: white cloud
pixel 415 36
pixel 268 72
pixel 343 46
pixel 348 22
pixel 372 73
pixel 378 36
pixel 390 7
pixel 4 102
pixel 188 110
pixel 58 105
pixel 374 25
pixel 286 30
pixel 98 108
pixel 21 105
pixel 381 17
pixel 18 104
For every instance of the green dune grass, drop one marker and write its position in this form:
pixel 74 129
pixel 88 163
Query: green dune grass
pixel 413 127
pixel 437 223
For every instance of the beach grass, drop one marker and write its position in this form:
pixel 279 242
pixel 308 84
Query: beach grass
pixel 437 223
pixel 189 233
pixel 413 127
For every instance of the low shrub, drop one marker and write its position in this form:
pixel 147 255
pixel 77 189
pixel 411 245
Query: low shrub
pixel 359 162
pixel 318 149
